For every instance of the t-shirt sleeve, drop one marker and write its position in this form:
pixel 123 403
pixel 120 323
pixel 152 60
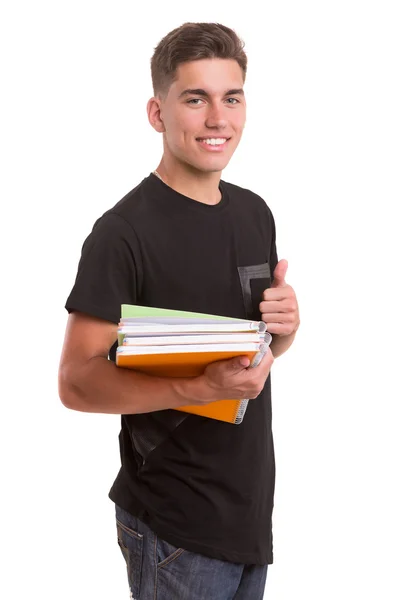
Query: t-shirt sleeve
pixel 109 270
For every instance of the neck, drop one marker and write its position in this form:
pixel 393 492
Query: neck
pixel 198 185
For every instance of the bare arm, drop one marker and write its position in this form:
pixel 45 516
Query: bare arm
pixel 281 343
pixel 89 382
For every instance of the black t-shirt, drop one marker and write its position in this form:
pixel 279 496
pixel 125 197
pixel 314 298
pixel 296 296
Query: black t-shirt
pixel 200 484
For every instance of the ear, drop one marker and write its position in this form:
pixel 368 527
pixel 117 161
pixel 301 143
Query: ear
pixel 154 114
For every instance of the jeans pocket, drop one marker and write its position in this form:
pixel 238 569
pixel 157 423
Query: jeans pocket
pixel 166 553
pixel 131 545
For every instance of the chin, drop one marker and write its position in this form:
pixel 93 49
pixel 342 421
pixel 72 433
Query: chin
pixel 214 166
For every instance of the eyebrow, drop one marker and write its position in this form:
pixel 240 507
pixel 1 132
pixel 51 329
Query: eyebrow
pixel 201 92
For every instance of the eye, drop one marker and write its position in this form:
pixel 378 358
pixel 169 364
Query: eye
pixel 194 101
pixel 235 101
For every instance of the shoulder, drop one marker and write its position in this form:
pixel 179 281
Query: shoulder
pixel 120 219
pixel 247 198
pixel 109 229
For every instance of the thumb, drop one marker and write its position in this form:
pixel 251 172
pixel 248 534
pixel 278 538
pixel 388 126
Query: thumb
pixel 244 361
pixel 239 363
pixel 280 274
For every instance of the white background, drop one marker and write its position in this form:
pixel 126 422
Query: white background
pixel 321 146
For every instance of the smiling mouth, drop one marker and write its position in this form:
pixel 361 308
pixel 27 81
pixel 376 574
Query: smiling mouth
pixel 213 143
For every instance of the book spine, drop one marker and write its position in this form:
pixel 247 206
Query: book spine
pixel 260 355
pixel 240 413
pixel 243 403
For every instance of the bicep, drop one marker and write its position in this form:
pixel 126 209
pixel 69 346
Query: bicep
pixel 85 338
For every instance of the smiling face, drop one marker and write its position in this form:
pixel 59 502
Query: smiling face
pixel 203 114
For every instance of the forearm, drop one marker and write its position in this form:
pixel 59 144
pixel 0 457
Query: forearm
pixel 281 343
pixel 101 387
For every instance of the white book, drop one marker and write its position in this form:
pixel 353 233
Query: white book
pixel 209 338
pixel 229 324
pixel 187 348
pixel 187 327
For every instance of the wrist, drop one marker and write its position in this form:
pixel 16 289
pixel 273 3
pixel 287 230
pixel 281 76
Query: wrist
pixel 192 390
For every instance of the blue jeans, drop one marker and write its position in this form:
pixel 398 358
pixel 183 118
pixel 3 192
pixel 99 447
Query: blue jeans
pixel 159 571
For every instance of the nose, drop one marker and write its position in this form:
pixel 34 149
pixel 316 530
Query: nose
pixel 216 118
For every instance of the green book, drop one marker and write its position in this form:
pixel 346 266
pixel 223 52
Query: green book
pixel 133 311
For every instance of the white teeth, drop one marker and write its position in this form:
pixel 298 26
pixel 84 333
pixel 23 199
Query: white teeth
pixel 215 141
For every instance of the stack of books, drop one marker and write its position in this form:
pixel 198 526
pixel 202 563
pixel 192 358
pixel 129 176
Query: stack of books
pixel 171 343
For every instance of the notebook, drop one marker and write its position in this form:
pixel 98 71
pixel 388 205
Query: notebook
pixel 170 343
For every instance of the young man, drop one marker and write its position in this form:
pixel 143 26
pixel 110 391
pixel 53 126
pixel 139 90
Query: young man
pixel 194 496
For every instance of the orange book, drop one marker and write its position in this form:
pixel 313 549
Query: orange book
pixel 142 329
pixel 192 364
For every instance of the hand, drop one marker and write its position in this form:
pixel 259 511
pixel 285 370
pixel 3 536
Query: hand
pixel 232 379
pixel 279 308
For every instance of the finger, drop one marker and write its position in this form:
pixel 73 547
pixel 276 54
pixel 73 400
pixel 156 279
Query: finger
pixel 272 306
pixel 238 363
pixel 280 273
pixel 283 318
pixel 278 293
pixel 268 356
pixel 265 362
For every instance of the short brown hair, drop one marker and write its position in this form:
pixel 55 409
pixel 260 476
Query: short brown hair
pixel 193 41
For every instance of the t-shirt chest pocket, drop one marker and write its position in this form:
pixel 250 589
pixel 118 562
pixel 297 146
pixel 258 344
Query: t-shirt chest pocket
pixel 254 279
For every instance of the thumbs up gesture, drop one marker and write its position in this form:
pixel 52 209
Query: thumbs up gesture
pixel 279 308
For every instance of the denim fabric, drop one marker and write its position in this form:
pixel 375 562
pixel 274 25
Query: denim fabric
pixel 158 570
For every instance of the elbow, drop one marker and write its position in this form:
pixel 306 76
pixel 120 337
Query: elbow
pixel 67 390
